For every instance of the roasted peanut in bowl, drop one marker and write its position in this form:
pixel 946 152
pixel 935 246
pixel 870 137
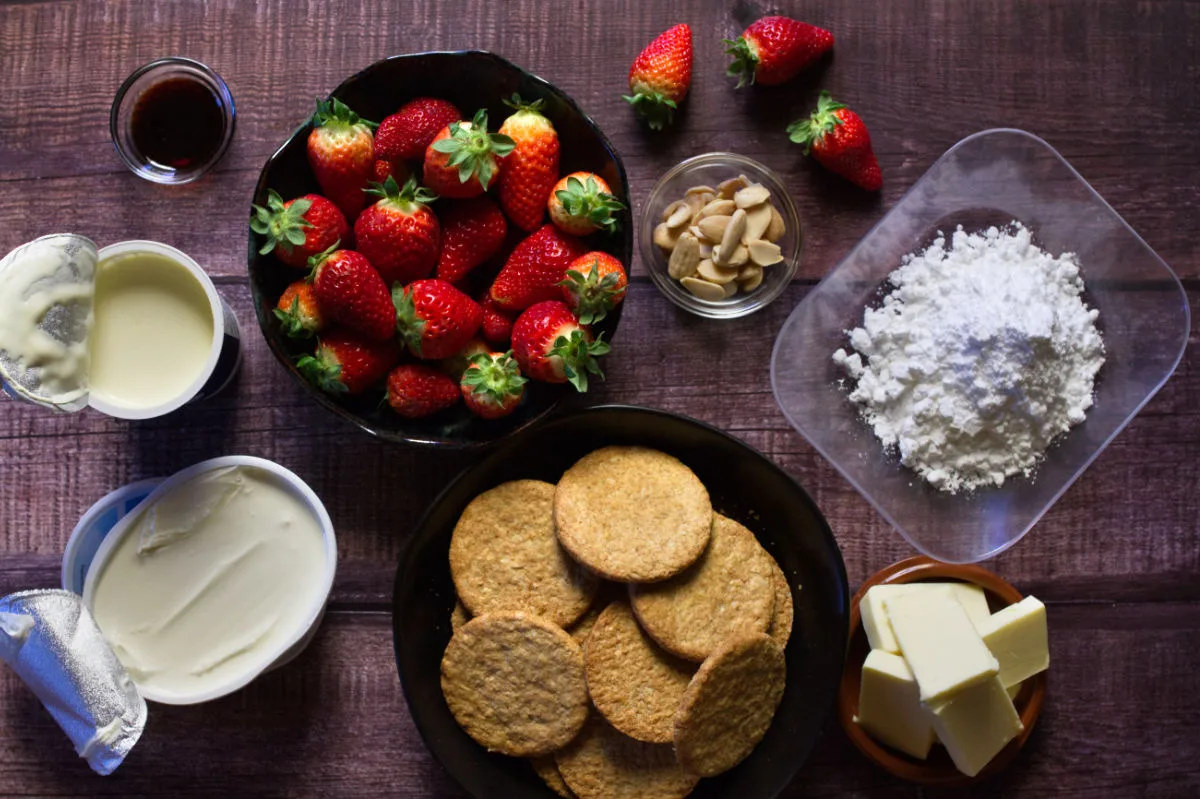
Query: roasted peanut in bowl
pixel 720 236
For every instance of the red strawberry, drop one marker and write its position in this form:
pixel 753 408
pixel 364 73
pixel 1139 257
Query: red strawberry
pixel 492 385
pixel 531 169
pixel 298 229
pixel 472 231
pixel 383 169
pixel 840 142
pixel 774 49
pixel 457 363
pixel 551 345
pixel 534 269
pixel 341 152
pixel 497 325
pixel 464 159
pixel 399 235
pixel 350 292
pixel 660 76
pixel 346 363
pixel 434 319
pixel 405 134
pixel 594 285
pixel 582 203
pixel 415 390
pixel 297 311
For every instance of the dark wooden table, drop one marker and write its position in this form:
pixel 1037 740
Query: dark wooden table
pixel 1112 85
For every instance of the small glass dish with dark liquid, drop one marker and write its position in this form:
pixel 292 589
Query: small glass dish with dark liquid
pixel 172 120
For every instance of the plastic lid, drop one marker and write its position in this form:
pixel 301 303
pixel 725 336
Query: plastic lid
pixel 46 291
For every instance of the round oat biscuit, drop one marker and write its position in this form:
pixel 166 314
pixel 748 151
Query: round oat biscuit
pixel 729 591
pixel 458 616
pixel 729 704
pixel 547 769
pixel 634 684
pixel 632 514
pixel 782 618
pixel 505 556
pixel 581 629
pixel 515 683
pixel 602 763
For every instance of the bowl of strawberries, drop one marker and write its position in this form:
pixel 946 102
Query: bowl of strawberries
pixel 439 255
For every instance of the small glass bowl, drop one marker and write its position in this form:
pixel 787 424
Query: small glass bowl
pixel 120 120
pixel 712 169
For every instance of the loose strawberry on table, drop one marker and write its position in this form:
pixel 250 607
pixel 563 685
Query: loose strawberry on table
pixel 341 152
pixel 347 363
pixel 399 234
pixel 839 141
pixel 404 135
pixel 534 269
pixel 550 345
pixel 583 203
pixel 298 229
pixel 297 311
pixel 594 285
pixel 492 385
pixel 464 159
pixel 531 169
pixel 774 50
pixel 350 292
pixel 472 232
pixel 415 390
pixel 434 319
pixel 660 76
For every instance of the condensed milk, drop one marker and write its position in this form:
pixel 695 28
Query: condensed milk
pixel 152 334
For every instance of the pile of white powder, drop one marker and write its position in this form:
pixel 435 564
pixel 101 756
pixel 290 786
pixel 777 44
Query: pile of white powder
pixel 981 354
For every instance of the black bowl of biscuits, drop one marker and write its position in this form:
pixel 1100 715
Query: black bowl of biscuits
pixel 621 602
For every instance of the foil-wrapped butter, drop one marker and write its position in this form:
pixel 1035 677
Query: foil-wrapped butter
pixel 54 645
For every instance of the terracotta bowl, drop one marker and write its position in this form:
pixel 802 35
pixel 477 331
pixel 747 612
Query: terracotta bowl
pixel 938 769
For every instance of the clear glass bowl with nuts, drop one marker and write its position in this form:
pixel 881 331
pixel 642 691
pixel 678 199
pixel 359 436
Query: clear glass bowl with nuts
pixel 720 236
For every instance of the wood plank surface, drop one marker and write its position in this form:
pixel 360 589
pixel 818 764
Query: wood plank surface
pixel 1113 85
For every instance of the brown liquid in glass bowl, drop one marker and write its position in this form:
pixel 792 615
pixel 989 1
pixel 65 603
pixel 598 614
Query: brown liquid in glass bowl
pixel 178 123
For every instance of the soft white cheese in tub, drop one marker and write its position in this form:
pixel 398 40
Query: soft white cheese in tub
pixel 212 580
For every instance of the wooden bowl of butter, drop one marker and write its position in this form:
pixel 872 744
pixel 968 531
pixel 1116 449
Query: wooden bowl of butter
pixel 945 672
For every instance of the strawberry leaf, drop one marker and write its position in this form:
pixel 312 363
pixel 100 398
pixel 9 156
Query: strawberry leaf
pixel 282 226
pixel 811 132
pixel 745 61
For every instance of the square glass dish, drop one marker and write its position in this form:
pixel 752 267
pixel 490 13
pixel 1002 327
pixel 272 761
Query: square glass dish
pixel 991 178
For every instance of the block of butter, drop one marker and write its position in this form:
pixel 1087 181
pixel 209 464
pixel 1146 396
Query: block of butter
pixel 875 620
pixel 889 705
pixel 940 643
pixel 975 723
pixel 1017 637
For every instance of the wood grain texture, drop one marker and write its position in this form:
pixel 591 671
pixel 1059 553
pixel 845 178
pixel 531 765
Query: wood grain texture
pixel 1115 86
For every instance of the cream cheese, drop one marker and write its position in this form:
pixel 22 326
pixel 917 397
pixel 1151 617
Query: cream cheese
pixel 153 330
pixel 212 582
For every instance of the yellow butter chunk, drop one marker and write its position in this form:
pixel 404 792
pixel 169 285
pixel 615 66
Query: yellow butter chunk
pixel 879 629
pixel 975 724
pixel 940 643
pixel 889 705
pixel 1018 639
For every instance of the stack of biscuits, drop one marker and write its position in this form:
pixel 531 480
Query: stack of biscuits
pixel 614 629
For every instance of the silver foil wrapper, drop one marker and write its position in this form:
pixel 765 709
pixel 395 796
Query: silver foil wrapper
pixel 51 641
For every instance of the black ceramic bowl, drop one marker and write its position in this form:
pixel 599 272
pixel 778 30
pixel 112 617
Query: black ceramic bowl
pixel 743 484
pixel 471 80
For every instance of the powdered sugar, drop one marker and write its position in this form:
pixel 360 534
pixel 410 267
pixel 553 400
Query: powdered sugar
pixel 981 354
